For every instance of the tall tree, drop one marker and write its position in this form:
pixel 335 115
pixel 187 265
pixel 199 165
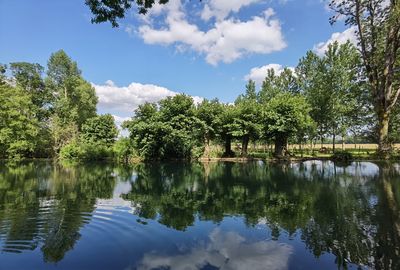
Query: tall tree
pixel 18 125
pixel 284 116
pixel 208 112
pixel 227 128
pixel 311 72
pixel 29 77
pixel 333 85
pixel 377 24
pixel 75 99
pixel 247 121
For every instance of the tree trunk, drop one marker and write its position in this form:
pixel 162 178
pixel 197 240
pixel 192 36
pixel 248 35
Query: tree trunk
pixel 301 147
pixel 245 144
pixel 228 149
pixel 383 140
pixel 207 148
pixel 343 141
pixel 280 145
pixel 322 142
pixel 333 143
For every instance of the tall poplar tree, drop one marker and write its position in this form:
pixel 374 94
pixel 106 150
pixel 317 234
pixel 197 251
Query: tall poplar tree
pixel 377 24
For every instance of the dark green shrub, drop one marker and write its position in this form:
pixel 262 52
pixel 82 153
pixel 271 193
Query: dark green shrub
pixel 71 151
pixel 85 151
pixel 342 156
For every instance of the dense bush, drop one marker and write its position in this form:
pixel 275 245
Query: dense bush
pixel 123 150
pixel 341 155
pixel 85 151
pixel 71 151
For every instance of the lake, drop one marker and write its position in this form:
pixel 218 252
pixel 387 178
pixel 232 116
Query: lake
pixel 218 215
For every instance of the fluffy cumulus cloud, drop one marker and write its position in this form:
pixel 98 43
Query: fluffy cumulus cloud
pixel 122 101
pixel 258 74
pixel 220 9
pixel 340 37
pixel 227 40
pixel 225 250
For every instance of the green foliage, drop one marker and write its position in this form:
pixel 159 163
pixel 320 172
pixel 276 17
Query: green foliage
pixel 341 155
pixel 75 100
pixel 112 10
pixel 378 35
pixel 85 151
pixel 172 131
pixel 246 123
pixel 100 129
pixel 123 149
pixel 335 89
pixel 208 112
pixel 71 151
pixel 286 115
pixel 18 126
pixel 29 78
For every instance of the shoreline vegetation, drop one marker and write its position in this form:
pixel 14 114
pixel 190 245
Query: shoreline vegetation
pixel 318 111
pixel 364 152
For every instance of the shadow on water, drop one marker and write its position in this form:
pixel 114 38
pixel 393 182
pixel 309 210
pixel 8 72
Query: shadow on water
pixel 348 210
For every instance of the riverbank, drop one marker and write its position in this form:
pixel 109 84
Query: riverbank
pixel 254 156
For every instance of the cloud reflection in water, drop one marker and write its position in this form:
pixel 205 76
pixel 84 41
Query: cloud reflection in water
pixel 226 251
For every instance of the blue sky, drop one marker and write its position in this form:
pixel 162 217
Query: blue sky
pixel 203 49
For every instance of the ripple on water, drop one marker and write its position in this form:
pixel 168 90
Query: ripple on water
pixel 28 228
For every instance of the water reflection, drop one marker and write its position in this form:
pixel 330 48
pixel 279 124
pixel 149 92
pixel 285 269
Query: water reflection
pixel 224 250
pixel 350 211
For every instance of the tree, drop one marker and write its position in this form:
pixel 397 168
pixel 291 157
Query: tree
pixel 247 121
pixel 18 125
pixel 75 99
pixel 333 85
pixel 311 77
pixel 343 79
pixel 227 128
pixel 208 112
pixel 377 24
pixel 112 10
pixel 100 129
pixel 169 130
pixel 284 116
pixel 29 78
pixel 269 87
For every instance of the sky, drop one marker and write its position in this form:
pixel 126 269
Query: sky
pixel 205 49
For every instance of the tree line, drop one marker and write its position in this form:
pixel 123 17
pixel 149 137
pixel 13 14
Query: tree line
pixel 46 116
pixel 323 97
pixel 53 113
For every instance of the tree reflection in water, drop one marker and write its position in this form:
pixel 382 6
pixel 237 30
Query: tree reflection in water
pixel 348 210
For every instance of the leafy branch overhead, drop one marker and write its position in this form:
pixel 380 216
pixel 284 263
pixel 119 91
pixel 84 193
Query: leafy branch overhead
pixel 112 10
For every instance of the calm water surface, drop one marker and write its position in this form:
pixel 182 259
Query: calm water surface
pixel 311 215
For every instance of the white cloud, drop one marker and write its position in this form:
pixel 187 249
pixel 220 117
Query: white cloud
pixel 225 250
pixel 128 98
pixel 258 74
pixel 340 37
pixel 220 9
pixel 226 41
pixel 122 101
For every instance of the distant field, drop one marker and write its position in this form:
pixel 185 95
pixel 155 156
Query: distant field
pixel 371 146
